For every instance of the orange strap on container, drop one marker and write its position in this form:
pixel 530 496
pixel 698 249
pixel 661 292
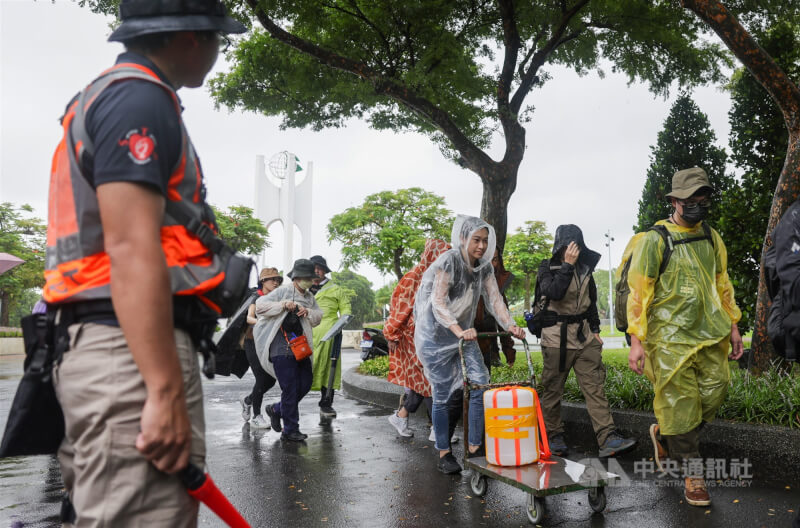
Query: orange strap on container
pixel 544 445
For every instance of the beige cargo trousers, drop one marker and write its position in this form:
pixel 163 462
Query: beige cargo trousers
pixel 102 394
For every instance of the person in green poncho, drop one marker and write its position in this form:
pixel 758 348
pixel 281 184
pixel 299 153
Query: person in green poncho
pixel 335 302
pixel 682 321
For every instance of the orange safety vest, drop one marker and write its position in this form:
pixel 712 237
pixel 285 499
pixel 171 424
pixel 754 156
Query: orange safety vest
pixel 77 268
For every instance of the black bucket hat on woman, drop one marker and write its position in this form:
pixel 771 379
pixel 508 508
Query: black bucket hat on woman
pixel 302 269
pixel 320 261
pixel 143 17
pixel 686 182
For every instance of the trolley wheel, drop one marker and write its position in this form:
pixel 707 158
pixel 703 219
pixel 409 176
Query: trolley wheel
pixel 597 499
pixel 478 484
pixel 535 509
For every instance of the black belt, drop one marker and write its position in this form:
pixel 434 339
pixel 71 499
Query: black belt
pixel 565 321
pixel 187 314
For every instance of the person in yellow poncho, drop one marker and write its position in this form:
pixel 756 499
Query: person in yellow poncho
pixel 682 321
pixel 335 302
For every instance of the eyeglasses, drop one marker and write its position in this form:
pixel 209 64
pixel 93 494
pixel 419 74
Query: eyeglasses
pixel 224 43
pixel 702 203
pixel 276 279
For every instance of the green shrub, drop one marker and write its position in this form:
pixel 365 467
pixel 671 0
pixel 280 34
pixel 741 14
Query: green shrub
pixel 378 366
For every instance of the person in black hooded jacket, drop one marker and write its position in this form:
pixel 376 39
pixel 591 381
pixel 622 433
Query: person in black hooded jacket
pixel 571 340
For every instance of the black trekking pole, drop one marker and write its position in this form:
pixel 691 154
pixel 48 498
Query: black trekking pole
pixel 336 351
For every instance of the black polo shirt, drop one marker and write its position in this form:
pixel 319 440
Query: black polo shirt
pixel 136 131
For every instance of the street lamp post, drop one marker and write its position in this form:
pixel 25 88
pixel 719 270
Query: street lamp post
pixel 609 240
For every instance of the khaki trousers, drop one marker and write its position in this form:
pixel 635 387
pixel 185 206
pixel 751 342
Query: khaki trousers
pixel 102 394
pixel 591 373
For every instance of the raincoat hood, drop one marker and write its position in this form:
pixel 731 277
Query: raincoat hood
pixel 433 248
pixel 463 229
pixel 571 233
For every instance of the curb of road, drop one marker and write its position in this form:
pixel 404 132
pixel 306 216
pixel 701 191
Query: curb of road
pixel 772 451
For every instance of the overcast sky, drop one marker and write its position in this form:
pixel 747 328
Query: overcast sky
pixel 588 143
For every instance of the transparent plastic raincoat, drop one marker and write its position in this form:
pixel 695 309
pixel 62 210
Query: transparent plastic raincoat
pixel 683 318
pixel 448 295
pixel 271 313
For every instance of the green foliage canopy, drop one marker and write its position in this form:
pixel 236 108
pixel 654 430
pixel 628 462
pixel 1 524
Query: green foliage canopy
pixel 23 236
pixel 241 230
pixel 383 296
pixel 524 252
pixel 389 229
pixel 362 298
pixel 686 140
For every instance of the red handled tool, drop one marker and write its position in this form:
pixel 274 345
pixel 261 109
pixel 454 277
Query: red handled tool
pixel 201 487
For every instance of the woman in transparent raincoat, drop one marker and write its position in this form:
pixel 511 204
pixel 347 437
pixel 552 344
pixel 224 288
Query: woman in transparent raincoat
pixel 444 311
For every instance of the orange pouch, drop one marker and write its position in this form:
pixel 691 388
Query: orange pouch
pixel 300 348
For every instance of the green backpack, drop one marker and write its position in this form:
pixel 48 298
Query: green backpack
pixel 621 288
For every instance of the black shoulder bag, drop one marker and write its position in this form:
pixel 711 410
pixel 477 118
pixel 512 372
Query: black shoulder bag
pixel 35 423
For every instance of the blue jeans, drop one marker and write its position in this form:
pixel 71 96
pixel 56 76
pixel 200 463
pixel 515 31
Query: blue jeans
pixel 294 378
pixel 446 414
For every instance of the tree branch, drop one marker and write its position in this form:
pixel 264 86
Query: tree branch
pixel 511 43
pixel 473 157
pixel 542 54
pixel 783 91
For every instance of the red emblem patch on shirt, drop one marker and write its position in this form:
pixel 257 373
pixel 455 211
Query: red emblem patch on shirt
pixel 140 145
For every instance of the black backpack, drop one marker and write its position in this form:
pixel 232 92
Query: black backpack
pixel 621 288
pixel 775 329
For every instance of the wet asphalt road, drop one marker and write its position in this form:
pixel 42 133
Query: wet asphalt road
pixel 357 472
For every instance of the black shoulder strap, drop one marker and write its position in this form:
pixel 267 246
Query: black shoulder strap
pixel 670 243
pixel 668 246
pixel 180 212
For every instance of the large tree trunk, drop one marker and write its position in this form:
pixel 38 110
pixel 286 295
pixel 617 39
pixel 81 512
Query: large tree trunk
pixel 494 207
pixel 398 252
pixel 785 194
pixel 4 299
pixel 786 95
pixel 527 305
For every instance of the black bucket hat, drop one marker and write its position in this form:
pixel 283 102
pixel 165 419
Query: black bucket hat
pixel 143 17
pixel 320 261
pixel 302 269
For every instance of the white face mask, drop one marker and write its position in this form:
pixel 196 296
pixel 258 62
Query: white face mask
pixel 304 283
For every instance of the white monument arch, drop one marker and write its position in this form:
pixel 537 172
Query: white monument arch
pixel 281 199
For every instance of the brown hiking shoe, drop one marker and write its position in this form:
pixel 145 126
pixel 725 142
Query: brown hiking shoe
pixel 659 451
pixel 695 492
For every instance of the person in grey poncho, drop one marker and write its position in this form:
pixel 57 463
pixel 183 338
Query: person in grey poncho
pixel 444 311
pixel 287 310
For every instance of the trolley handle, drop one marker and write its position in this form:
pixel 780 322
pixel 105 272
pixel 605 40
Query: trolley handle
pixel 496 334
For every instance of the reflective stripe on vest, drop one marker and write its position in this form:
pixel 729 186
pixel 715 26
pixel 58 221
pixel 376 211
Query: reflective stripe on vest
pixel 77 268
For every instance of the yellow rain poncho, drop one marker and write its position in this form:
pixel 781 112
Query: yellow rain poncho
pixel 683 318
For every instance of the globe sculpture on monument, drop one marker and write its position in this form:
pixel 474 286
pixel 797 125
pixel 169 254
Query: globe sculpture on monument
pixel 282 199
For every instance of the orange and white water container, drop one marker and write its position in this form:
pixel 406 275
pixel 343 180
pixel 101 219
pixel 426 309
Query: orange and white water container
pixel 512 436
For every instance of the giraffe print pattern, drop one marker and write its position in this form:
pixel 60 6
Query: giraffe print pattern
pixel 404 366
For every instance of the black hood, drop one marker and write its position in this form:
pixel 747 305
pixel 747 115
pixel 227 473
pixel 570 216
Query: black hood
pixel 571 233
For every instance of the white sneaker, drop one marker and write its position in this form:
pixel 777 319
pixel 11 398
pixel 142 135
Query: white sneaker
pixel 401 424
pixel 432 437
pixel 259 423
pixel 245 408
